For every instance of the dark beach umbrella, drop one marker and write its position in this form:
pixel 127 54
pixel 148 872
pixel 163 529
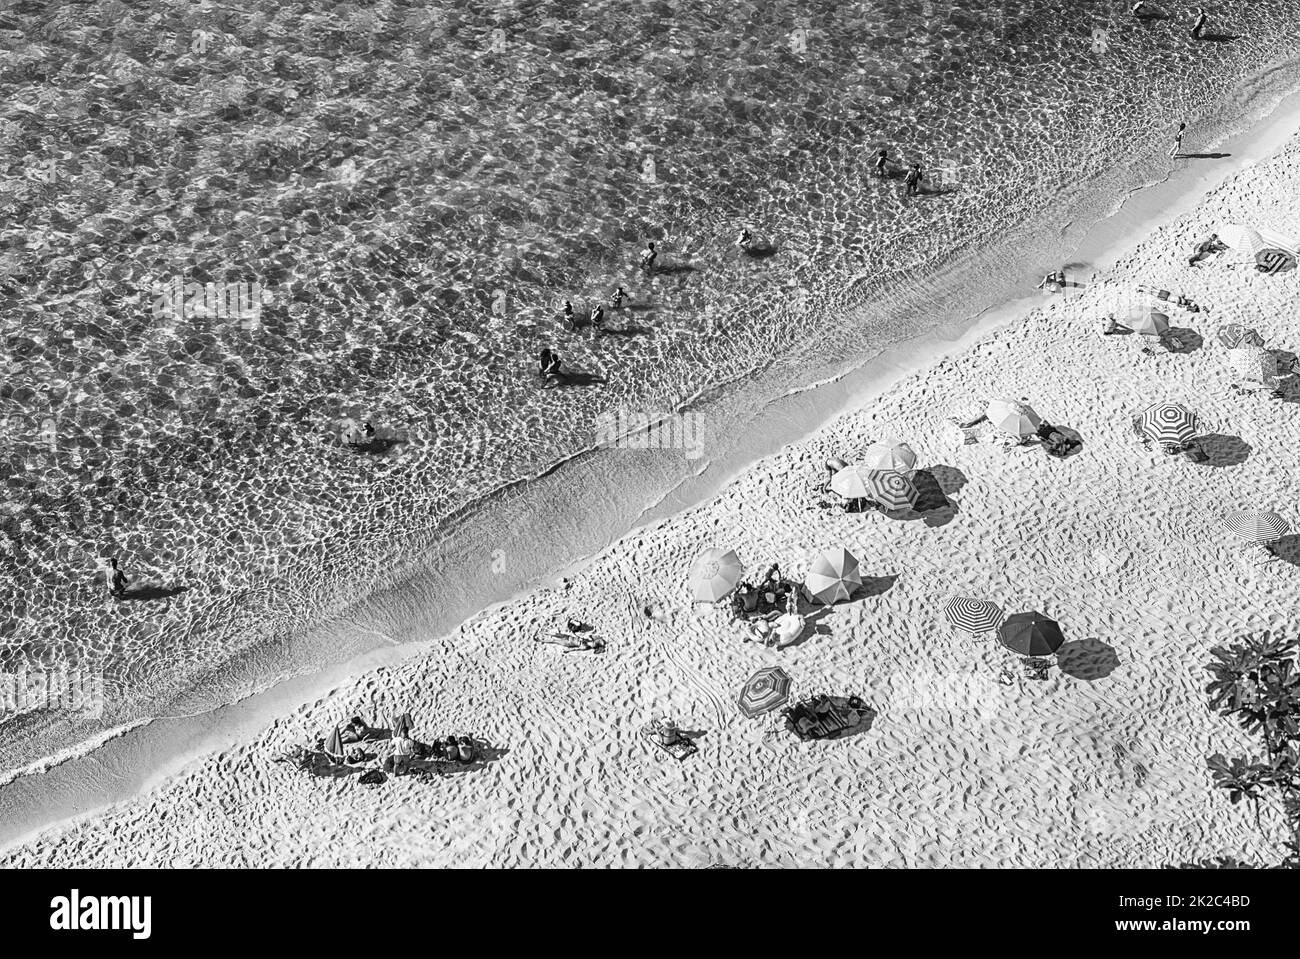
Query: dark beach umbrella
pixel 1031 634
pixel 764 691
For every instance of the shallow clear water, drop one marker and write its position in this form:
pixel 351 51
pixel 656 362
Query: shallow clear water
pixel 417 194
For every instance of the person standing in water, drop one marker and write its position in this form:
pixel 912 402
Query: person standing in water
pixel 597 317
pixel 745 240
pixel 913 180
pixel 115 579
pixel 1178 141
pixel 618 298
pixel 1200 23
pixel 648 256
pixel 882 163
pixel 568 313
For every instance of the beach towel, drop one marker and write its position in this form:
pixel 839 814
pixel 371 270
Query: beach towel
pixel 679 750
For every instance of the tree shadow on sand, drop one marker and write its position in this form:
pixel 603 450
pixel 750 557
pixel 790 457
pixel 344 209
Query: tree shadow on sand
pixel 1087 659
pixel 1221 450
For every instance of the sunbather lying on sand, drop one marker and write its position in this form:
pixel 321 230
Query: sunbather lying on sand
pixel 571 642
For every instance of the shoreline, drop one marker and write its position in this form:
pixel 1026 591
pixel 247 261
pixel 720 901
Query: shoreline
pixel 798 415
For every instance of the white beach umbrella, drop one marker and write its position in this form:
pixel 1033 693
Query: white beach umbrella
pixel 852 482
pixel 1244 239
pixel 1014 417
pixel 833 576
pixel 714 574
pixel 893 455
pixel 1149 323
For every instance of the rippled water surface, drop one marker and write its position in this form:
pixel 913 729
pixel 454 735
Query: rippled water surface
pixel 417 188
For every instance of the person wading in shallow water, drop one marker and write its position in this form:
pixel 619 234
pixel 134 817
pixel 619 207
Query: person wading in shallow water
pixel 619 296
pixel 1178 141
pixel 115 579
pixel 1199 26
pixel 882 163
pixel 913 180
pixel 648 256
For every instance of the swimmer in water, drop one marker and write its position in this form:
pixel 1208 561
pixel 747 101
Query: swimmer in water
pixel 648 256
pixel 882 163
pixel 745 240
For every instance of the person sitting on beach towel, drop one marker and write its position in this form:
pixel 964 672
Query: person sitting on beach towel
pixel 1207 248
pixel 1109 326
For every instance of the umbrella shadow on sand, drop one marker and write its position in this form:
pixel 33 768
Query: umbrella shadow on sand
pixel 1087 659
pixel 1182 340
pixel 874 586
pixel 932 503
pixel 948 479
pixel 1287 549
pixel 1222 450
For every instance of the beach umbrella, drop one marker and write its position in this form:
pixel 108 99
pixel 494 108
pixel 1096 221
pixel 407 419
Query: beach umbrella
pixel 851 481
pixel 1242 238
pixel 1253 363
pixel 1031 634
pixel 1233 335
pixel 1170 423
pixel 402 726
pixel 764 691
pixel 714 574
pixel 1014 417
pixel 973 615
pixel 893 491
pixel 1150 323
pixel 833 576
pixel 894 455
pixel 1257 526
pixel 334 745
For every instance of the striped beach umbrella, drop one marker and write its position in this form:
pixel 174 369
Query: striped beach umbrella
pixel 1253 363
pixel 1031 634
pixel 1257 526
pixel 851 481
pixel 893 455
pixel 764 691
pixel 1170 423
pixel 1233 335
pixel 893 491
pixel 973 615
pixel 1014 417
pixel 402 726
pixel 1149 323
pixel 714 574
pixel 334 745
pixel 833 576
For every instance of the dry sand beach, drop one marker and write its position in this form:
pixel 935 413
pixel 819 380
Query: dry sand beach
pixel 1100 765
